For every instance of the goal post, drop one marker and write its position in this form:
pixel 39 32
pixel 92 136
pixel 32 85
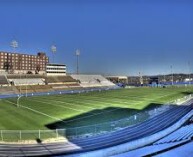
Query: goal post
pixel 18 100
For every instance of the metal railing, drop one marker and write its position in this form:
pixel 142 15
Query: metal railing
pixel 70 133
pixel 75 91
pixel 31 135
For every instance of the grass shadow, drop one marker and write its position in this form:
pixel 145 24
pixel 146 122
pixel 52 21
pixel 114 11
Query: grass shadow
pixel 103 120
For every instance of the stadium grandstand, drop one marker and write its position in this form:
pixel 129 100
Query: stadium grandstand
pixel 73 114
pixel 160 80
pixel 3 80
pixel 31 83
pixel 8 90
pixel 171 143
pixel 182 134
pixel 92 80
pixel 98 78
pixel 25 79
pixel 60 80
pixel 121 81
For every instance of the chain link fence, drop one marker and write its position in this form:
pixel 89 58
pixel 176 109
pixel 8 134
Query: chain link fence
pixel 70 133
pixel 31 135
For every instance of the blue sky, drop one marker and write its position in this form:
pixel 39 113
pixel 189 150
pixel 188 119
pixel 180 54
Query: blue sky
pixel 117 37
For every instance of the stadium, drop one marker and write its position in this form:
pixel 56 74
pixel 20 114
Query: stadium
pixel 96 78
pixel 44 108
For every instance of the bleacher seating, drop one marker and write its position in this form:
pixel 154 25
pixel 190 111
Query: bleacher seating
pixel 60 80
pixel 73 85
pixel 149 150
pixel 183 150
pixel 39 83
pixel 92 80
pixel 25 89
pixel 7 90
pixel 23 76
pixel 181 134
pixel 3 80
pixel 25 79
pixel 59 87
pixel 42 88
pixel 28 81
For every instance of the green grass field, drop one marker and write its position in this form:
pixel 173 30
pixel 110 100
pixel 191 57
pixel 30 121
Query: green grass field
pixel 74 110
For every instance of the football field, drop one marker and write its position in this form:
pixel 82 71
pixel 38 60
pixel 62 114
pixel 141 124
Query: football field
pixel 75 110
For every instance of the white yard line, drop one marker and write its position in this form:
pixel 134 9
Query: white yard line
pixel 10 102
pixel 62 102
pixel 139 102
pixel 119 101
pixel 74 104
pixel 95 114
pixel 92 115
pixel 134 97
pixel 98 100
pixel 107 103
pixel 59 105
pixel 114 101
pixel 85 117
pixel 55 118
pixel 88 100
pixel 44 114
pixel 105 98
pixel 91 103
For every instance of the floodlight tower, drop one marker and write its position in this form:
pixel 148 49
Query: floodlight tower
pixel 164 80
pixel 26 85
pixel 172 75
pixel 77 60
pixel 53 49
pixel 14 45
pixel 189 71
pixel 140 78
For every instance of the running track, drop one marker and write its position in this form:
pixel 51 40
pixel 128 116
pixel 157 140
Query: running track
pixel 149 127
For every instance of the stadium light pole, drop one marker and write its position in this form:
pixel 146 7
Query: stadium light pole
pixel 172 75
pixel 164 78
pixel 20 85
pixel 53 49
pixel 14 45
pixel 189 71
pixel 26 85
pixel 140 78
pixel 77 60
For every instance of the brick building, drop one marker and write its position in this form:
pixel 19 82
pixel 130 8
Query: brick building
pixel 15 63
